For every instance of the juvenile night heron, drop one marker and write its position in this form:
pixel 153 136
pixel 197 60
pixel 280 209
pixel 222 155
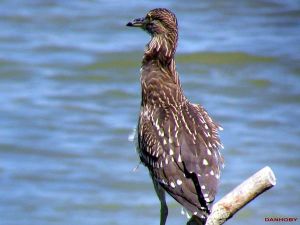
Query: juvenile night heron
pixel 177 140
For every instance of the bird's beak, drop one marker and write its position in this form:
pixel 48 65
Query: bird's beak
pixel 136 22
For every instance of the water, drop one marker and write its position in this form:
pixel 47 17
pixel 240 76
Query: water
pixel 69 83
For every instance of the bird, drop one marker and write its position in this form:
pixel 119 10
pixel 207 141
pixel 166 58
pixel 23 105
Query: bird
pixel 176 140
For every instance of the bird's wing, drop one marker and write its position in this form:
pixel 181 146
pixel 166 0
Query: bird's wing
pixel 200 148
pixel 181 153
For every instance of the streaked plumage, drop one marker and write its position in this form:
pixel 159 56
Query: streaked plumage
pixel 177 140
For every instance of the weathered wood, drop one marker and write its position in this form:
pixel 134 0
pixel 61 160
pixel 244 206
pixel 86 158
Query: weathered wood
pixel 231 203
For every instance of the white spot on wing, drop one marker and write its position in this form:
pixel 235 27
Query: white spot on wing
pixel 172 184
pixel 208 152
pixel 205 163
pixel 157 153
pixel 179 182
pixel 171 152
pixel 179 158
pixel 176 133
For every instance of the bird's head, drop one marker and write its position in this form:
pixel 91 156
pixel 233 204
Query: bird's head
pixel 161 24
pixel 158 21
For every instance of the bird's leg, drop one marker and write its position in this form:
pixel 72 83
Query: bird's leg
pixel 163 205
pixel 196 221
pixel 163 210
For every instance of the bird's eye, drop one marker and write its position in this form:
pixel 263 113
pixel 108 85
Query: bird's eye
pixel 156 22
pixel 148 17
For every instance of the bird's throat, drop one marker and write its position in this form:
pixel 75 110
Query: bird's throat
pixel 162 48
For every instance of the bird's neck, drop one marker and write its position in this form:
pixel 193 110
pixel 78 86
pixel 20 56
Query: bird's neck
pixel 159 55
pixel 158 74
pixel 161 47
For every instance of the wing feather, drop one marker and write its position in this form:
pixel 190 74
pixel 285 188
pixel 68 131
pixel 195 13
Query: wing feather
pixel 180 148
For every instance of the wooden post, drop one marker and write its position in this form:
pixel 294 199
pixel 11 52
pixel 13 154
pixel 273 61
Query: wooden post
pixel 226 207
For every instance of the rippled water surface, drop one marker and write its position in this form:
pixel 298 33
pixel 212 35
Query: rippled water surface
pixel 70 94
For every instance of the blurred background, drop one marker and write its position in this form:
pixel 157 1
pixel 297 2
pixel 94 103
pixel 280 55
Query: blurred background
pixel 70 95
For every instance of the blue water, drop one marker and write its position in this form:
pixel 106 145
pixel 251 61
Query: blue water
pixel 70 95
